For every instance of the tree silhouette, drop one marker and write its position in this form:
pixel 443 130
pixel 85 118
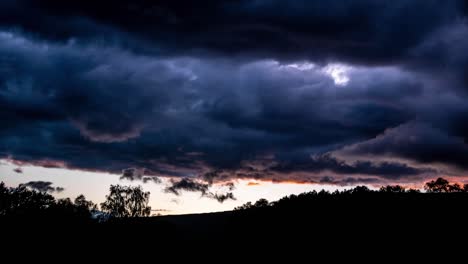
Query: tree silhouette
pixel 455 188
pixel 361 189
pixel 84 207
pixel 126 201
pixel 245 206
pixel 392 189
pixel 438 186
pixel 261 203
pixel 84 204
pixel 21 201
pixel 442 185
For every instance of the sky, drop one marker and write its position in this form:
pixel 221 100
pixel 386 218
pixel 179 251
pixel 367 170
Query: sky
pixel 209 105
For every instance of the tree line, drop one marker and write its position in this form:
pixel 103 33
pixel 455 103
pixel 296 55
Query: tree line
pixel 440 185
pixel 122 201
pixel 132 202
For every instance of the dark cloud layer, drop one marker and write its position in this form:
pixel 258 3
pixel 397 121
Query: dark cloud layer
pixel 327 163
pixel 360 31
pixel 416 141
pixel 366 91
pixel 43 186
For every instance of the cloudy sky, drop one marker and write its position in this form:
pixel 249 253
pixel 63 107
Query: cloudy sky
pixel 209 105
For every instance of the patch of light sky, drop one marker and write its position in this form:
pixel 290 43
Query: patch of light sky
pixel 95 185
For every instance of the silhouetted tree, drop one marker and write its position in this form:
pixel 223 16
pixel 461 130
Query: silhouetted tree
pixel 455 188
pixel 245 206
pixel 21 201
pixel 4 198
pixel 413 191
pixel 361 189
pixel 126 201
pixel 84 204
pixel 438 186
pixel 465 187
pixel 261 203
pixel 392 189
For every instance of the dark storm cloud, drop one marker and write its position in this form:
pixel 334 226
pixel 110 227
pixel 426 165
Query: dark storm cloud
pixel 415 141
pixel 321 163
pixel 46 82
pixel 349 181
pixel 43 186
pixel 202 89
pixel 181 116
pixel 365 31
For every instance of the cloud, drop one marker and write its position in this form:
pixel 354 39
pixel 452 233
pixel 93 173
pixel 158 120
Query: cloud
pixel 133 174
pixel 349 181
pixel 112 108
pixel 189 185
pixel 222 197
pixel 194 185
pixel 415 141
pixel 230 186
pixel 43 186
pixel 274 90
pixel 362 31
pixel 328 163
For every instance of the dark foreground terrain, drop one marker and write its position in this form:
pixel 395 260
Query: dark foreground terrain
pixel 357 218
pixel 380 214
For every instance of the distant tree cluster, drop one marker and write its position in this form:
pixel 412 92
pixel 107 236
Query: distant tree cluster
pixel 439 185
pixel 22 201
pixel 122 201
pixel 261 203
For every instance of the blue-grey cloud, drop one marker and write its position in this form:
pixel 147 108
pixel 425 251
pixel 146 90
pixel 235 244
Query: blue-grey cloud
pixel 212 90
pixel 189 185
pixel 416 141
pixel 196 185
pixel 364 31
pixel 43 186
pixel 134 174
